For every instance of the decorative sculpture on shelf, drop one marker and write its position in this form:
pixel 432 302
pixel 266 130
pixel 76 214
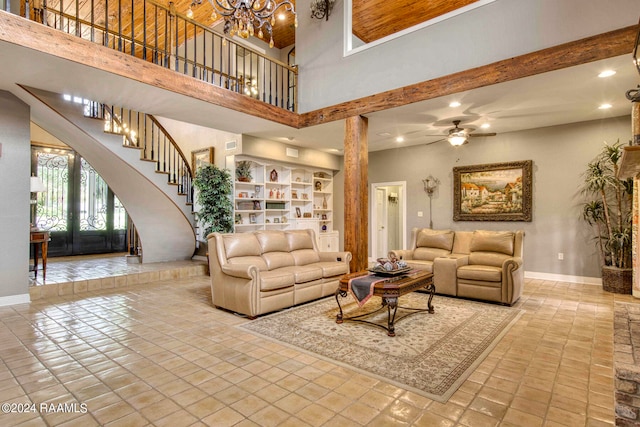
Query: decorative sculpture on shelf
pixel 430 186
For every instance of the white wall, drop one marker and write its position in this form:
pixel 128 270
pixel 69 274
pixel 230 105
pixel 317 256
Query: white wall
pixel 14 193
pixel 560 155
pixel 499 30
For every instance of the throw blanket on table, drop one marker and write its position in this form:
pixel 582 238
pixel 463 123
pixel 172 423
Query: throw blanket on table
pixel 361 288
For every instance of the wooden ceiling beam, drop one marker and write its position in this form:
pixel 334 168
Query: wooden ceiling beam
pixel 594 48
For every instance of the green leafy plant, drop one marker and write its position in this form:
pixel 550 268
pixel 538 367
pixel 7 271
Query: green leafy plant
pixel 214 197
pixel 609 211
pixel 243 170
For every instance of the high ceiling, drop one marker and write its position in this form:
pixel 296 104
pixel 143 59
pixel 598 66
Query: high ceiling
pixel 373 20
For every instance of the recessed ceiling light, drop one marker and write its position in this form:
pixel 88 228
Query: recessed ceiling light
pixel 605 106
pixel 485 126
pixel 454 104
pixel 399 139
pixel 607 73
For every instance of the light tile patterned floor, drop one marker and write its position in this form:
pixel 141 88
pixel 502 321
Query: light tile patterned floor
pixel 160 354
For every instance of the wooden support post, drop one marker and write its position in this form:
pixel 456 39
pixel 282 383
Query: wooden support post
pixel 356 195
pixel 635 122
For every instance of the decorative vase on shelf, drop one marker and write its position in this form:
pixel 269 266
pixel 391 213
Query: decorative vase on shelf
pixel 324 202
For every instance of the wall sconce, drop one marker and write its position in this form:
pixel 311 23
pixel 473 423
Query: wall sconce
pixel 430 186
pixel 321 8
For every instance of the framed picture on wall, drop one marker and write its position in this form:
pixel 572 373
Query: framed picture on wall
pixel 201 157
pixel 493 192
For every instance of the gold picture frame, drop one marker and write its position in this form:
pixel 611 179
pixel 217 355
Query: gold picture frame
pixel 493 192
pixel 199 157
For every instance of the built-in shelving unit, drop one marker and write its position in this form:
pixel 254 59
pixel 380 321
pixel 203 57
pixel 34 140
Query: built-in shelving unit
pixel 280 196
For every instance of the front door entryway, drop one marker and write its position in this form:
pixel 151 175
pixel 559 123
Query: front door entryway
pixel 78 208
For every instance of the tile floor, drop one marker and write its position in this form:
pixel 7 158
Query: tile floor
pixel 160 354
pixel 79 274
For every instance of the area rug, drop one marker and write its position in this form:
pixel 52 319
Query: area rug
pixel 431 354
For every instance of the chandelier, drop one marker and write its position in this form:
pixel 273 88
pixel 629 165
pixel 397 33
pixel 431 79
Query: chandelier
pixel 244 17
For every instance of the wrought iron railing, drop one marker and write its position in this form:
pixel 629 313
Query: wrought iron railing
pixel 154 33
pixel 144 132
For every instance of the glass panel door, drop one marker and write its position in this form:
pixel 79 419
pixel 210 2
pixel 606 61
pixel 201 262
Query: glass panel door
pixel 79 209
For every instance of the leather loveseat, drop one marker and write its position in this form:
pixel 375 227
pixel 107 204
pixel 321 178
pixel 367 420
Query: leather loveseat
pixel 263 271
pixel 483 265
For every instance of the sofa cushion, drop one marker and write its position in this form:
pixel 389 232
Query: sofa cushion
pixel 276 279
pixel 332 268
pixel 278 259
pixel 241 244
pixel 429 254
pixel 305 256
pixel 488 258
pixel 249 260
pixel 420 265
pixel 492 241
pixel 438 239
pixel 462 242
pixel 272 241
pixel 304 273
pixel 484 273
pixel 299 239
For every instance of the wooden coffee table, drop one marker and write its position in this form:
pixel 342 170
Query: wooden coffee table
pixel 389 290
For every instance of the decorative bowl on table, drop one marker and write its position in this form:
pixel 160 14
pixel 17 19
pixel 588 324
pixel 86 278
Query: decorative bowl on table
pixel 391 266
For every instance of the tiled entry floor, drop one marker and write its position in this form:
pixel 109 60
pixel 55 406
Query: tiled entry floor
pixel 78 274
pixel 160 354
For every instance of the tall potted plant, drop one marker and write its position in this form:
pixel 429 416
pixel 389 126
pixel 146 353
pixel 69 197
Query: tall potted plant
pixel 609 212
pixel 214 197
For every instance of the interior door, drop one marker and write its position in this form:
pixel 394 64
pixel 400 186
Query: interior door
pixel 79 210
pixel 381 249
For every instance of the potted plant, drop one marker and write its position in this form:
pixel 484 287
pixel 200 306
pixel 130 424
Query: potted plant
pixel 214 197
pixel 609 212
pixel 243 171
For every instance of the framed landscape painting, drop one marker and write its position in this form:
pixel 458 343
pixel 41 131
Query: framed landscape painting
pixel 493 192
pixel 200 157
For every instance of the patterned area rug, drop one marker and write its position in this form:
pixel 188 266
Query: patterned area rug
pixel 431 354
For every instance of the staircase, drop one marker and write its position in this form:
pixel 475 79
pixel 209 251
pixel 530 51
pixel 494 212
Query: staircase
pixel 139 161
pixel 144 133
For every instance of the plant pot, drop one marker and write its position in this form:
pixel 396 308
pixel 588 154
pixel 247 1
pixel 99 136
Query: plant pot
pixel 617 280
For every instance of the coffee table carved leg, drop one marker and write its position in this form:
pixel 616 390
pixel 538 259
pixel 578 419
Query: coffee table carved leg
pixel 392 304
pixel 431 288
pixel 342 294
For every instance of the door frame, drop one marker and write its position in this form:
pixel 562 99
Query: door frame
pixel 374 215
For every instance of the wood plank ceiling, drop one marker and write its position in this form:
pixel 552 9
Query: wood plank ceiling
pixel 372 19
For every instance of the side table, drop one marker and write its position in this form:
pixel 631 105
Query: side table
pixel 40 239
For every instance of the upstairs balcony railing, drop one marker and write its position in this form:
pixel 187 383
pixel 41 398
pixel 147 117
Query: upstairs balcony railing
pixel 154 33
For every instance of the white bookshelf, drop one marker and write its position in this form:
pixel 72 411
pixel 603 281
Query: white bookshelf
pixel 281 196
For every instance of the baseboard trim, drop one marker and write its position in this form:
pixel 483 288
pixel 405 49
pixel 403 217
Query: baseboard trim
pixel 15 299
pixel 200 258
pixel 563 278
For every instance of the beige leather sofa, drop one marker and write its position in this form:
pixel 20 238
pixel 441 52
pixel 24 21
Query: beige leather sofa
pixel 264 271
pixel 484 265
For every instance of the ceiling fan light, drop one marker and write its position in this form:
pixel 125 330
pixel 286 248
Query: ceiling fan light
pixel 457 140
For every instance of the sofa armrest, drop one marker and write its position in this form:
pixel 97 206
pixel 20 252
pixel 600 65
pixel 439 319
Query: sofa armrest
pixel 402 253
pixel 513 275
pixel 243 271
pixel 445 273
pixel 335 256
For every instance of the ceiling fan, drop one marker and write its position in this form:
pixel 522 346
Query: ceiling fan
pixel 458 136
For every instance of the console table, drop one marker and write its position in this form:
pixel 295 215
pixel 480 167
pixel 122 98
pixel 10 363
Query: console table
pixel 40 239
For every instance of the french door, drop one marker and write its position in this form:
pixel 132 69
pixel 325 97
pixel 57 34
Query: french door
pixel 78 208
